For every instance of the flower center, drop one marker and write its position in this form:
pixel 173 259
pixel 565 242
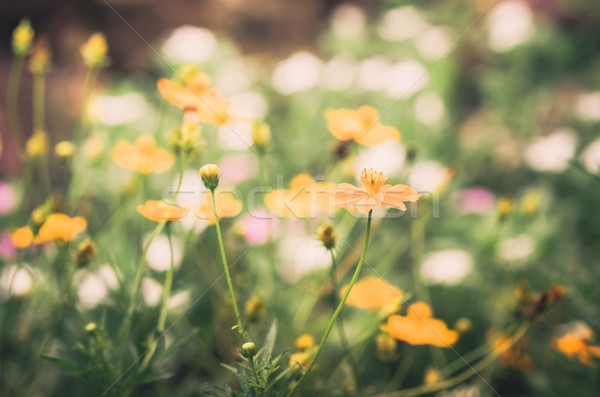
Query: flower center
pixel 372 180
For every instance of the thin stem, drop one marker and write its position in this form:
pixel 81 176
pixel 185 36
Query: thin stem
pixel 466 374
pixel 255 372
pixel 12 103
pixel 226 267
pixel 338 310
pixel 340 327
pixel 39 92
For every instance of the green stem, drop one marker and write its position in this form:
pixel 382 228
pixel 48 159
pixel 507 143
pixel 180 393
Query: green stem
pixel 255 372
pixel 341 331
pixel 226 267
pixel 338 310
pixel 39 93
pixel 12 103
pixel 466 374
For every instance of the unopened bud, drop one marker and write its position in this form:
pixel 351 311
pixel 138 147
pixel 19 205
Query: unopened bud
pixel 505 207
pixel 94 50
pixel 463 325
pixel 327 235
pixel 86 251
pixel 90 328
pixel 261 135
pixel 37 145
pixel 22 37
pixel 248 349
pixel 210 176
pixel 40 58
pixel 305 341
pixel 64 149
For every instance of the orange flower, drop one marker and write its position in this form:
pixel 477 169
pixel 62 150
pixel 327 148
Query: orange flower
pixel 360 125
pixel 159 211
pixel 516 355
pixel 143 157
pixel 375 193
pixel 305 198
pixel 197 96
pixel 577 342
pixel 22 237
pixel 60 227
pixel 419 328
pixel 372 293
pixel 226 207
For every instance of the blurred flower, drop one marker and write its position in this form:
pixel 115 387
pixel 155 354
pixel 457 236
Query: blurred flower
pixel 348 20
pixel 261 135
pixel 94 50
pixel 574 339
pixel 447 266
pixel 304 341
pixel 190 44
pixel 505 207
pixel 588 106
pixel 301 255
pixel 159 253
pixel 372 74
pixel 258 226
pixel 326 235
pixel 373 293
pixel 429 108
pixel 435 42
pixel 22 237
pixel 113 110
pixel 233 77
pixel 387 157
pixel 180 299
pixel 86 251
pixel 531 202
pixel 591 157
pixel 299 72
pixel 152 291
pixel 159 210
pixel 419 328
pixel 374 194
pixel 402 23
pixel 7 248
pixel 17 279
pixel 552 153
pixel 463 325
pixel 432 376
pixel 236 135
pixel 362 125
pixel 516 355
pixel 510 23
pixel 236 168
pixel 475 200
pixel 516 248
pixel 36 146
pixel 39 62
pixel 143 157
pixel 93 288
pixel 227 207
pixel 427 176
pixel 60 227
pixel 248 105
pixel 64 149
pixel 405 78
pixel 255 308
pixel 338 74
pixel 386 346
pixel 93 148
pixel 22 37
pixel 302 358
pixel 8 198
pixel 304 199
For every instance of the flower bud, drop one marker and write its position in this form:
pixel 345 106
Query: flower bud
pixel 86 251
pixel 94 50
pixel 37 145
pixel 38 216
pixel 261 135
pixel 327 235
pixel 91 328
pixel 556 292
pixel 40 58
pixel 64 149
pixel 210 176
pixel 463 325
pixel 505 207
pixel 248 350
pixel 386 346
pixel 22 37
pixel 432 376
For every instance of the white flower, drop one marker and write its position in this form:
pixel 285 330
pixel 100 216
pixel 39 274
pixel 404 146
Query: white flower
pixel 190 44
pixel 159 253
pixel 235 135
pixel 248 104
pixel 447 266
pixel 387 157
pixel 152 291
pixel 516 248
pixel 233 77
pixel 435 42
pixel 429 108
pixel 114 110
pixel 339 74
pixel 21 277
pixel 510 23
pixel 299 72
pixel 405 78
pixel 348 20
pixel 427 176
pixel 402 23
pixel 302 255
pixel 93 288
pixel 552 153
pixel 588 106
pixel 591 157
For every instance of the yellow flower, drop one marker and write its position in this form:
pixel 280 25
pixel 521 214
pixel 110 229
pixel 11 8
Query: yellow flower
pixel 22 237
pixel 37 145
pixel 261 135
pixel 60 227
pixel 158 211
pixel 227 207
pixel 40 58
pixel 432 376
pixel 372 293
pixel 64 149
pixel 360 125
pixel 305 341
pixel 577 342
pixel 143 157
pixel 374 193
pixel 210 175
pixel 94 50
pixel 419 328
pixel 304 199
pixel 22 37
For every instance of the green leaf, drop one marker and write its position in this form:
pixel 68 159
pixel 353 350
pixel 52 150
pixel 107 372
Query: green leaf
pixel 66 365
